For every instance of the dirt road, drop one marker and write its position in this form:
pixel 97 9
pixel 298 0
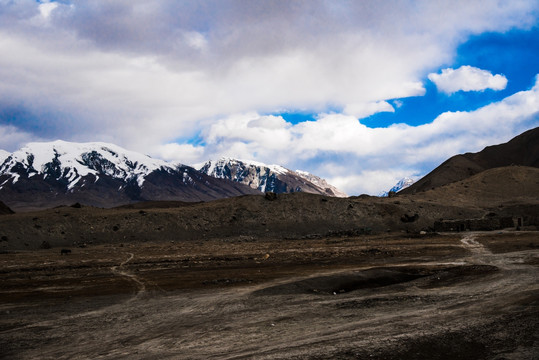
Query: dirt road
pixel 118 270
pixel 450 297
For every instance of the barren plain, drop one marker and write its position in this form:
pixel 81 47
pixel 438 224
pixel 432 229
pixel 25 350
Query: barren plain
pixel 471 295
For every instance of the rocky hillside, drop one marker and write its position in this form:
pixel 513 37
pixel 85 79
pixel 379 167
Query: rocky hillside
pixel 43 175
pixel 283 216
pixel 522 150
pixel 269 178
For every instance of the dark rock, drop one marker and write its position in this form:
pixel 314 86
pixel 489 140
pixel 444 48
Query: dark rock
pixel 409 219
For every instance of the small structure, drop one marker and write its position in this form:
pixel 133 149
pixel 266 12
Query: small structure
pixel 488 223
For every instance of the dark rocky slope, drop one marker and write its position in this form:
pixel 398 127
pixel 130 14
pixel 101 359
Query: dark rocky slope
pixel 504 191
pixel 522 150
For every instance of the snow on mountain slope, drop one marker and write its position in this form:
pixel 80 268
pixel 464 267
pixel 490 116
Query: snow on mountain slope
pixel 42 175
pixel 55 173
pixel 268 178
pixel 321 183
pixel 72 161
pixel 217 167
pixel 402 184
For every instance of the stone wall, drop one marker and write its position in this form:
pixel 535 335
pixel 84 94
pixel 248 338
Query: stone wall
pixel 485 224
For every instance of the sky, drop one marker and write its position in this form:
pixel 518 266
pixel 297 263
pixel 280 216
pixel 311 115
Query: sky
pixel 362 93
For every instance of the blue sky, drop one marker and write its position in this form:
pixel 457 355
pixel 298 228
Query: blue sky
pixel 360 93
pixel 515 54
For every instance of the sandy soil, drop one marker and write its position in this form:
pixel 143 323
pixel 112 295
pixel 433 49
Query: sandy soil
pixel 452 296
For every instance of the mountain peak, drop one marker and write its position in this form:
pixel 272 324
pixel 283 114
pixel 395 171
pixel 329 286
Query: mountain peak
pixel 76 160
pixel 52 173
pixel 400 185
pixel 102 174
pixel 272 178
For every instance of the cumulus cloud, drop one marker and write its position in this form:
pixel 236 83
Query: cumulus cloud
pixel 13 138
pixel 367 109
pixel 373 182
pixel 144 74
pixel 46 8
pixel 467 78
pixel 366 160
pixel 190 154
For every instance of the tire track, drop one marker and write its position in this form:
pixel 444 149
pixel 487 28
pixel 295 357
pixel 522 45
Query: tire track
pixel 474 246
pixel 118 270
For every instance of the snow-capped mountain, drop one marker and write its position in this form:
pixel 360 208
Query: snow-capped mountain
pixel 72 162
pixel 321 183
pixel 53 173
pixel 269 178
pixel 402 184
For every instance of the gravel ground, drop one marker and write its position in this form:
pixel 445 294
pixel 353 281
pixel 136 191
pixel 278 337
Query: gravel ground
pixel 458 296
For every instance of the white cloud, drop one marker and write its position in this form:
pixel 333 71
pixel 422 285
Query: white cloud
pixel 372 182
pixel 13 138
pixel 46 8
pixel 196 40
pixel 268 122
pixel 340 148
pixel 467 78
pixel 363 110
pixel 182 153
pixel 142 74
pixel 398 103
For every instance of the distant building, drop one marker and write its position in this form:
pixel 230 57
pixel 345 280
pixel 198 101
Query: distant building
pixel 485 224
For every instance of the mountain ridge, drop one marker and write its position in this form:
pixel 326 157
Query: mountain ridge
pixel 269 178
pixel 47 174
pixel 56 173
pixel 522 150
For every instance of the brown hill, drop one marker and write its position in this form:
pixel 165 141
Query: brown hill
pixel 522 150
pixel 489 189
pixel 507 191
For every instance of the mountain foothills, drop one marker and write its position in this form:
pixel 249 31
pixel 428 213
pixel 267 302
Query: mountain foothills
pixel 269 178
pixel 43 175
